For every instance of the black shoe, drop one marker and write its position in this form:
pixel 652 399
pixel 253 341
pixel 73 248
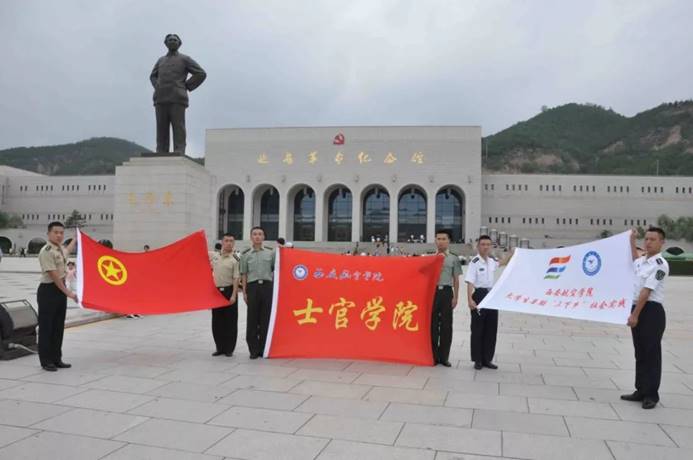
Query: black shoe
pixel 635 396
pixel 490 365
pixel 217 353
pixel 648 403
pixel 228 355
pixel 62 365
pixel 446 363
pixel 254 356
pixel 478 366
pixel 50 368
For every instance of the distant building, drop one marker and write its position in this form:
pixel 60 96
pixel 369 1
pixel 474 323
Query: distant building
pixel 330 187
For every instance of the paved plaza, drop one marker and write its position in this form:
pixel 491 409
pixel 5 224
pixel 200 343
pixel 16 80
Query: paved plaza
pixel 150 389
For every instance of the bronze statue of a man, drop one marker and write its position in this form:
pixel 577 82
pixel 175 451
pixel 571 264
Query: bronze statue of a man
pixel 171 93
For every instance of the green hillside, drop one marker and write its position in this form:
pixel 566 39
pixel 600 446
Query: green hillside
pixel 588 139
pixel 99 155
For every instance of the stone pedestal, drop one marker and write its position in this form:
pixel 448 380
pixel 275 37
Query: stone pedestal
pixel 160 199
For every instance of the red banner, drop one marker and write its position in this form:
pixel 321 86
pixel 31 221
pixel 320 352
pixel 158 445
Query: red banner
pixel 353 307
pixel 172 279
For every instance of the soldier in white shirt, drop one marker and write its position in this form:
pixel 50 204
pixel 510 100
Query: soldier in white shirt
pixel 647 319
pixel 480 278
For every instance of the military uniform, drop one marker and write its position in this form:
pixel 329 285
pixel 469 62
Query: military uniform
pixel 52 304
pixel 650 273
pixel 258 266
pixel 225 268
pixel 484 324
pixel 441 321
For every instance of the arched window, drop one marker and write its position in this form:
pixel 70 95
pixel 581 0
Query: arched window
pixel 304 215
pixel 411 215
pixel 450 212
pixel 376 214
pixel 339 215
pixel 269 213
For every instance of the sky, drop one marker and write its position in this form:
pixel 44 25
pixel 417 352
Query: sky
pixel 72 69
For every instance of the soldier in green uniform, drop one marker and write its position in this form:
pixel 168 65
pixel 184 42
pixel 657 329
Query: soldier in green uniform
pixel 52 297
pixel 257 270
pixel 445 299
pixel 226 275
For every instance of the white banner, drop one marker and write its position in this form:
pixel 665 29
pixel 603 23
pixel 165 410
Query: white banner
pixel 592 281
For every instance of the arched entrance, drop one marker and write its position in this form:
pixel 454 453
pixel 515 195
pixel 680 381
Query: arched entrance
pixel 231 207
pixel 411 215
pixel 339 209
pixel 5 244
pixel 375 217
pixel 303 219
pixel 450 211
pixel 35 245
pixel 266 210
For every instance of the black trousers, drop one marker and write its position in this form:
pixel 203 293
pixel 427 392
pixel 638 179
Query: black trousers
pixel 647 341
pixel 484 329
pixel 225 324
pixel 441 324
pixel 259 310
pixel 170 116
pixel 52 306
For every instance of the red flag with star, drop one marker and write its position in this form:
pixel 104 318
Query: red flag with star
pixel 172 279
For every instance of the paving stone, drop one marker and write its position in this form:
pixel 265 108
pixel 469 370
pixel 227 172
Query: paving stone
pixel 193 391
pixel 26 413
pixel 112 401
pixel 263 399
pixel 430 415
pixel 10 434
pixel 463 440
pixel 332 390
pixel 352 429
pixel 261 419
pixel 646 433
pixel 58 446
pixel 542 447
pixel 325 375
pixel 125 384
pixel 92 423
pixel 263 383
pixel 426 397
pixel 186 436
pixel 576 408
pixel 632 451
pixel 259 445
pixel 537 391
pixel 179 409
pixel 682 435
pixel 40 392
pixel 395 381
pixel 519 422
pixel 346 450
pixel 343 407
pixel 488 402
pixel 135 452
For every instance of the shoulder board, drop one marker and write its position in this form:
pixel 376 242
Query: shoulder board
pixel 246 250
pixel 659 261
pixel 235 256
pixel 453 254
pixel 46 247
pixel 475 260
pixel 268 248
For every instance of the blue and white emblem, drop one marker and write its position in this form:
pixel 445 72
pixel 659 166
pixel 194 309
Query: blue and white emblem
pixel 591 263
pixel 300 272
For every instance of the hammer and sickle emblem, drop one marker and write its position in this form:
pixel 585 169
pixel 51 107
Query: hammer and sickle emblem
pixel 112 270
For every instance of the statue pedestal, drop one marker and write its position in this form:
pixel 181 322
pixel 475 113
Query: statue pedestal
pixel 160 199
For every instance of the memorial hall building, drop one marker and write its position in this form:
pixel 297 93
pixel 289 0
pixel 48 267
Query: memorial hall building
pixel 330 187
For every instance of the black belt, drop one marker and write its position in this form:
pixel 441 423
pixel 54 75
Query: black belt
pixel 482 290
pixel 441 288
pixel 259 282
pixel 223 288
pixel 651 302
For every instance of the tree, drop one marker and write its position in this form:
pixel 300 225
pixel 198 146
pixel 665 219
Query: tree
pixel 679 229
pixel 8 220
pixel 75 220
